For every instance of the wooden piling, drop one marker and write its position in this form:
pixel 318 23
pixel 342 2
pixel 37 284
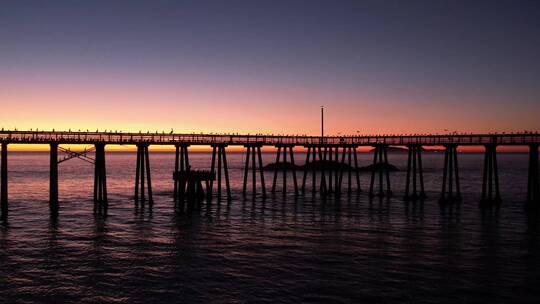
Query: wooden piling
pixel 100 181
pixel 246 171
pixel 282 151
pixel 347 157
pixel 276 169
pixel 450 176
pixel 4 182
pixel 490 180
pixel 308 155
pixel 284 190
pixel 181 167
pixel 219 152
pixel 53 179
pixel 253 154
pixel 176 164
pixel 261 171
pixel 143 173
pixel 414 174
pixel 328 151
pixel 295 182
pixel 380 166
pixel 322 159
pixel 533 179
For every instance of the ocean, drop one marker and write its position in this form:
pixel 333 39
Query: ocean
pixel 282 249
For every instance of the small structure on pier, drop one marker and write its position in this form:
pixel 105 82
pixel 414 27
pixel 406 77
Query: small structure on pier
pixel 191 184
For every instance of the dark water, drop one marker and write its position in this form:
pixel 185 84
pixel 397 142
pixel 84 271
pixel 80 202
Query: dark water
pixel 281 250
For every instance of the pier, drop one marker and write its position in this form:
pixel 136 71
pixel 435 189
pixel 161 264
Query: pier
pixel 321 150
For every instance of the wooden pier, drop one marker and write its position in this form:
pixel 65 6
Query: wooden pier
pixel 320 150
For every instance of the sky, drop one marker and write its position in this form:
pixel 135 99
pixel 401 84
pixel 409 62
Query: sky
pixel 378 67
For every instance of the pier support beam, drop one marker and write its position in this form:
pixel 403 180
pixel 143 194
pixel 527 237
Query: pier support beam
pixel 143 169
pixel 314 162
pixel 4 183
pixel 218 151
pixel 284 168
pixel 335 174
pixel 350 152
pixel 253 149
pixel 329 152
pixel 53 179
pixel 533 181
pixel 490 180
pixel 322 158
pixel 181 166
pixel 330 159
pixel 414 173
pixel 101 203
pixel 195 193
pixel 450 176
pixel 380 166
pixel 306 164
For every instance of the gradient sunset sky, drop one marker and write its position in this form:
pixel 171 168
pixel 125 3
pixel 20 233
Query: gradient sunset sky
pixel 267 66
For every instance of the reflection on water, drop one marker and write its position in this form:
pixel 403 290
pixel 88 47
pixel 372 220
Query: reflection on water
pixel 295 250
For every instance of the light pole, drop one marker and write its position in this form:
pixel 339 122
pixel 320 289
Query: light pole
pixel 322 121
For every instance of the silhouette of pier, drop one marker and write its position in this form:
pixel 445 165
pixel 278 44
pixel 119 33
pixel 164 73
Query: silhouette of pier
pixel 320 151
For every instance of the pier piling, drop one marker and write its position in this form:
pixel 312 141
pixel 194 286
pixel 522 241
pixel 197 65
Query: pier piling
pixel 308 155
pixel 316 157
pixel 284 168
pixel 380 165
pixel 101 203
pixel 143 170
pixel 533 181
pixel 53 179
pixel 350 153
pixel 4 182
pixel 328 155
pixel 254 151
pixel 315 161
pixel 181 166
pixel 414 173
pixel 490 180
pixel 336 172
pixel 322 160
pixel 450 176
pixel 219 151
pixel 295 181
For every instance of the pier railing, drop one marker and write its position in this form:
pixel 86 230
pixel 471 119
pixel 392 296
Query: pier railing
pixel 239 139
